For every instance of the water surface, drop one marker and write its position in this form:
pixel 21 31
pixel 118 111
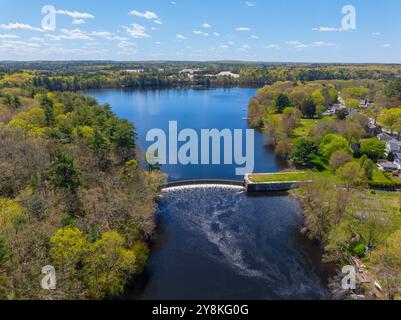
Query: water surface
pixel 216 242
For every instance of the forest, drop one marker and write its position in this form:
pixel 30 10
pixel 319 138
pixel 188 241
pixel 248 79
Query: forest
pixel 73 194
pixel 352 207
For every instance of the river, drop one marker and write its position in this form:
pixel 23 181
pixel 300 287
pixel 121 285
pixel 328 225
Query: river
pixel 216 242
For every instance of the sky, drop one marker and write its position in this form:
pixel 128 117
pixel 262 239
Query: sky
pixel 368 31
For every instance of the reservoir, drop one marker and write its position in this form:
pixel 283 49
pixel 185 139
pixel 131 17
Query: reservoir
pixel 217 242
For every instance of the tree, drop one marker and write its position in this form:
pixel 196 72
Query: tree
pixel 373 148
pixel 339 158
pixel 283 148
pixel 351 174
pixel 281 102
pixel 12 101
pixel 318 98
pixel 367 166
pixel 308 108
pixel 391 118
pixel 63 173
pixel 352 103
pixel 108 264
pixel 68 248
pixel 47 105
pixel 393 89
pixel 306 150
pixel 332 143
pixel 386 263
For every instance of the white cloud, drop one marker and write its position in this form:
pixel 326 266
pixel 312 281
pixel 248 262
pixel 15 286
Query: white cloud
pixel 136 31
pixel 386 45
pixel 206 26
pixel 216 34
pixel 74 34
pixel 197 32
pixel 76 14
pixel 102 34
pixel 8 36
pixel 158 21
pixel 147 14
pixel 297 45
pixel 19 26
pixel 376 34
pixel 329 29
pixel 272 46
pixel 78 21
pixel 245 47
pixel 250 4
pixel 254 37
pixel 180 37
pixel 243 29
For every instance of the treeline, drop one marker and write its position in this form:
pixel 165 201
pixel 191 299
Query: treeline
pixel 73 194
pixel 75 76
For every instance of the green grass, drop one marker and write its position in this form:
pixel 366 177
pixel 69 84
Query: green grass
pixel 378 177
pixel 304 127
pixel 279 177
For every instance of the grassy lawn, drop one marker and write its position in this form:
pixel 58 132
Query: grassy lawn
pixel 279 177
pixel 304 127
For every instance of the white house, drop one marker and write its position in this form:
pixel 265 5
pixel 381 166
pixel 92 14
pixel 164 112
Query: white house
pixel 227 74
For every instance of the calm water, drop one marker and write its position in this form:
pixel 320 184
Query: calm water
pixel 217 242
pixel 194 109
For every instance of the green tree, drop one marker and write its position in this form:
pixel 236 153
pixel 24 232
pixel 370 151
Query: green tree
pixel 107 265
pixel 332 143
pixel 351 174
pixel 63 173
pixel 304 153
pixel 281 102
pixel 368 167
pixel 391 118
pixel 318 98
pixel 373 148
pixel 308 108
pixel 47 105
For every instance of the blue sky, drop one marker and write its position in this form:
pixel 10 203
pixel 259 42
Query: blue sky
pixel 254 30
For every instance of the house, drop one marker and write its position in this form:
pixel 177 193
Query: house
pixel 388 166
pixel 384 137
pixel 363 103
pixel 373 128
pixel 397 158
pixel 393 146
pixel 227 74
pixel 352 112
pixel 135 70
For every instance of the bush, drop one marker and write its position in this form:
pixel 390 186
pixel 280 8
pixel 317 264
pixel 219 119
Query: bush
pixel 339 158
pixel 359 250
pixel 373 148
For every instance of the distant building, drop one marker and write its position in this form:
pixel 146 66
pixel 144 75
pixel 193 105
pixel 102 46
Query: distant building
pixel 388 166
pixel 227 74
pixel 134 70
pixel 393 146
pixel 363 103
pixel 397 158
pixel 384 137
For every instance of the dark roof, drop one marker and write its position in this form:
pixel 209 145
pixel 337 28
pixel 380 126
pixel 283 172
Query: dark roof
pixel 388 165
